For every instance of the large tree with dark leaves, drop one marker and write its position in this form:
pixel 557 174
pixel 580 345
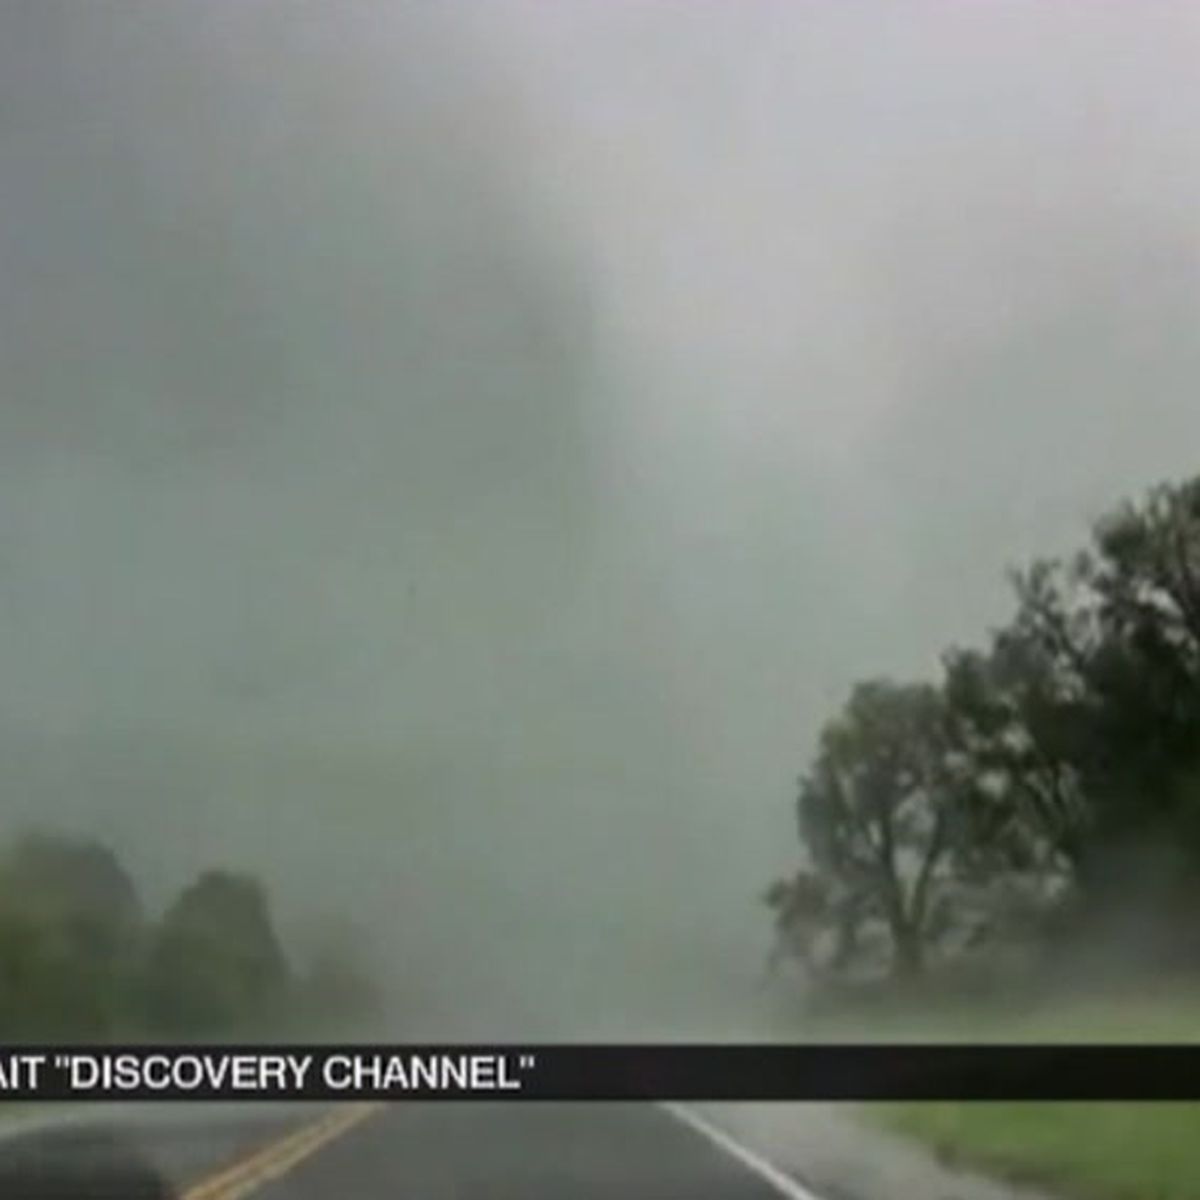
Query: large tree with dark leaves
pixel 1104 654
pixel 878 814
pixel 1081 721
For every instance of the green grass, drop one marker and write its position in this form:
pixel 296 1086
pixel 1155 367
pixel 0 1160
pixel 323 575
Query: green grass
pixel 1097 1151
pixel 1144 1015
pixel 1109 1151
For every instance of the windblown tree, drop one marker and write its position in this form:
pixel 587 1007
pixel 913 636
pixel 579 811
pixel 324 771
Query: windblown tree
pixel 77 883
pixel 215 964
pixel 28 979
pixel 800 910
pixel 1144 576
pixel 78 960
pixel 1060 763
pixel 877 813
pixel 1022 730
pixel 1114 639
pixel 70 928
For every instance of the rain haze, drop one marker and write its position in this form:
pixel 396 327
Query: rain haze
pixel 453 458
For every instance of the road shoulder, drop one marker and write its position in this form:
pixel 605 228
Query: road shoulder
pixel 830 1151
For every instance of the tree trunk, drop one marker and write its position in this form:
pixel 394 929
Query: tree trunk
pixel 846 946
pixel 908 961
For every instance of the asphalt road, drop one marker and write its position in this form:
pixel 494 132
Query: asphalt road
pixel 435 1152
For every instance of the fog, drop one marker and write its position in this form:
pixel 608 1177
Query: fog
pixel 453 457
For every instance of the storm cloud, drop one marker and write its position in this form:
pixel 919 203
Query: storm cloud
pixel 452 458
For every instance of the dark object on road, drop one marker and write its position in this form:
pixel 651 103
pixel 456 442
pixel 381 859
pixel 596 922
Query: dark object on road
pixel 78 1164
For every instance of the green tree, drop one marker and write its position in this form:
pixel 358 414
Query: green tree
pixel 1022 736
pixel 800 907
pixel 1143 574
pixel 215 963
pixel 1103 657
pixel 70 925
pixel 80 884
pixel 877 811
pixel 1052 781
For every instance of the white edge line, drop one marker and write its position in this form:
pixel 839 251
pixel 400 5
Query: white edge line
pixel 768 1172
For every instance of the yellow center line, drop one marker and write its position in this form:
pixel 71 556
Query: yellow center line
pixel 280 1156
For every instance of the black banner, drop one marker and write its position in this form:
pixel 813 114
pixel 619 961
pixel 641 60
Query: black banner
pixel 600 1072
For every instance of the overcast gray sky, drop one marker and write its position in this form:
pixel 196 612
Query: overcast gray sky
pixel 453 457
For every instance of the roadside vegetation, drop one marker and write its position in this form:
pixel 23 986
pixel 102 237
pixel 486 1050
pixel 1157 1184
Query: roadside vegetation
pixel 1116 1151
pixel 80 958
pixel 1010 851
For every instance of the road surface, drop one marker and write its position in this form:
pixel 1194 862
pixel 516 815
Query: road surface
pixel 444 1151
